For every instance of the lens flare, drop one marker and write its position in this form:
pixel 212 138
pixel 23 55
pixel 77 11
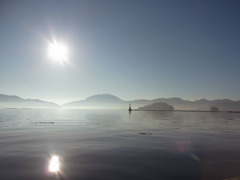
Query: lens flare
pixel 54 164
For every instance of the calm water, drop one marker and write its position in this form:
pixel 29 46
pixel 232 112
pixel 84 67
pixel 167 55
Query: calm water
pixel 104 145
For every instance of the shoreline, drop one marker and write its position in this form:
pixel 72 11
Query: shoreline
pixel 189 111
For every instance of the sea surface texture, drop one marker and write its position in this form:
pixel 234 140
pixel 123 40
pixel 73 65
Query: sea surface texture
pixel 118 145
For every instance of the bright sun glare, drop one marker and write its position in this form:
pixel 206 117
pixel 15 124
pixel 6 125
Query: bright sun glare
pixel 58 51
pixel 54 164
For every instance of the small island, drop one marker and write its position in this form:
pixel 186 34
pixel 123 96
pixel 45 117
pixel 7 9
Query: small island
pixel 214 109
pixel 160 106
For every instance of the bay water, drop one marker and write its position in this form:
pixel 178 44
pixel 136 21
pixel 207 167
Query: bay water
pixel 116 144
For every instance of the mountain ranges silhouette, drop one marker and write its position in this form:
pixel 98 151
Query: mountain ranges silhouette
pixel 108 101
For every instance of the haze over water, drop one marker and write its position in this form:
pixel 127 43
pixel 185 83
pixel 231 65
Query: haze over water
pixel 113 144
pixel 64 51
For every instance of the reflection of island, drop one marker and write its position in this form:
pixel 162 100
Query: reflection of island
pixel 157 107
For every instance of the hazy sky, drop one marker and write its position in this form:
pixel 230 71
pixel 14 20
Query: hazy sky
pixel 130 48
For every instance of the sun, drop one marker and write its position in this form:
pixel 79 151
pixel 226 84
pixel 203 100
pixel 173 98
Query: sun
pixel 58 51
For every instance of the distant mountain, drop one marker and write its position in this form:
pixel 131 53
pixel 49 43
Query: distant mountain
pixel 157 106
pixel 201 105
pixel 7 98
pixel 100 101
pixel 103 98
pixel 226 105
pixel 108 101
pixel 7 101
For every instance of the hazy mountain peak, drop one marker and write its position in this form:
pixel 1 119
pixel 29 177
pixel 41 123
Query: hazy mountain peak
pixel 202 100
pixel 15 101
pixel 103 97
pixel 9 98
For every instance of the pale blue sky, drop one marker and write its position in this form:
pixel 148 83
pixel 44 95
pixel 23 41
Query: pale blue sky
pixel 130 48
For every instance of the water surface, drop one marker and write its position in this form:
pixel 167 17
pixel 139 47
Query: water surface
pixel 113 144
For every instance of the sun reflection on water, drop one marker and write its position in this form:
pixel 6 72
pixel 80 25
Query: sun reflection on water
pixel 54 164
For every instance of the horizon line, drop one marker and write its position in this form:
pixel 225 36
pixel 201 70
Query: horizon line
pixel 60 104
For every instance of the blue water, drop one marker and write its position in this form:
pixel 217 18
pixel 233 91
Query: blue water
pixel 104 145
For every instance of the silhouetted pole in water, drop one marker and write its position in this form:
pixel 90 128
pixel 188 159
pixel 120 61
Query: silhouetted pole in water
pixel 129 109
